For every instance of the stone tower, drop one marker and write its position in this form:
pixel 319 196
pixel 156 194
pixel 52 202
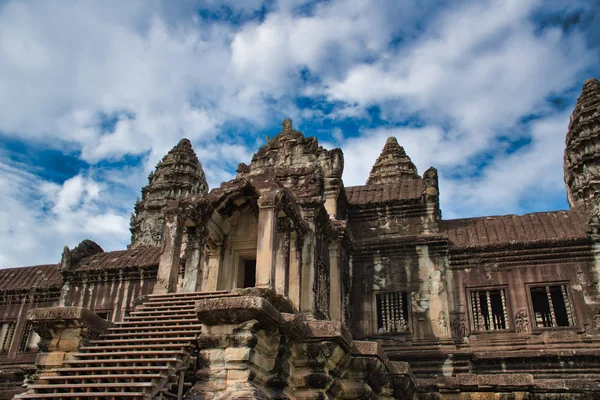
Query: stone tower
pixel 582 154
pixel 179 174
pixel 392 165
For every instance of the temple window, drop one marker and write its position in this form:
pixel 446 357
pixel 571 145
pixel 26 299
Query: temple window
pixel 104 314
pixel 7 331
pixel 30 339
pixel 392 312
pixel 489 310
pixel 551 306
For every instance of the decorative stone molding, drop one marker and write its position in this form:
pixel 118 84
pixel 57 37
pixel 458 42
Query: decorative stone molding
pixel 66 328
pixel 63 331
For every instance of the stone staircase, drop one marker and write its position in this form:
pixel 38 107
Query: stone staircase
pixel 143 357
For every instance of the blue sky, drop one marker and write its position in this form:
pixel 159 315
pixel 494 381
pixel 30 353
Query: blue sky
pixel 93 94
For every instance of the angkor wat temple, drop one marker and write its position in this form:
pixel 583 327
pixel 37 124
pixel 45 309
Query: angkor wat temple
pixel 285 284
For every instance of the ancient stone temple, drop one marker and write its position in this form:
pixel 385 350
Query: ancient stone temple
pixel 285 284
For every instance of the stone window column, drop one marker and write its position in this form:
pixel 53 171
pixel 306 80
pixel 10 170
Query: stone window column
pixel 307 305
pixel 213 264
pixel 282 256
pixel 295 270
pixel 266 244
pixel 335 297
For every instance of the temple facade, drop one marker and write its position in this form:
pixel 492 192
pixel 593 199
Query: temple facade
pixel 284 283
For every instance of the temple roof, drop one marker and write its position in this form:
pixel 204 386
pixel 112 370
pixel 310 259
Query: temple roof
pixel 541 226
pixel 142 256
pixel 27 278
pixel 406 189
pixel 392 165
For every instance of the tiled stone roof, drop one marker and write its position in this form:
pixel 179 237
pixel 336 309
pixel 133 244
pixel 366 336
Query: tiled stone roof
pixel 34 277
pixel 482 231
pixel 404 189
pixel 143 256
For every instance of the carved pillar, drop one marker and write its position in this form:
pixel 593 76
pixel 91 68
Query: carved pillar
pixel 335 298
pixel 266 249
pixel 282 256
pixel 213 265
pixel 307 301
pixel 295 272
pixel 192 277
pixel 169 262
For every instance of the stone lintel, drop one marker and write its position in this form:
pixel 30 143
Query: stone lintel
pixel 235 310
pixel 329 331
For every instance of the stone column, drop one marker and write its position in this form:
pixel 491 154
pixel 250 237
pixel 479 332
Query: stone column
pixel 307 302
pixel 213 265
pixel 282 257
pixel 265 248
pixel 168 264
pixel 295 271
pixel 192 279
pixel 335 281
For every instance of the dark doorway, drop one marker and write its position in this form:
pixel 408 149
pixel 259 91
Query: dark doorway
pixel 249 273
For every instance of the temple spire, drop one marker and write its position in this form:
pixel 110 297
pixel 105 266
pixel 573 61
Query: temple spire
pixel 582 153
pixel 392 165
pixel 179 174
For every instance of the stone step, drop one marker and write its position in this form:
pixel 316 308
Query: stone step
pixel 125 361
pixel 112 385
pixel 153 328
pixel 173 303
pixel 160 313
pixel 114 377
pixel 111 395
pixel 216 293
pixel 113 369
pixel 137 346
pixel 183 300
pixel 107 342
pixel 151 334
pixel 134 357
pixel 166 309
pixel 140 353
pixel 144 322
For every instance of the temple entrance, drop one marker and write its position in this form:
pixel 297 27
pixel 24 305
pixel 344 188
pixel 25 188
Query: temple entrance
pixel 249 271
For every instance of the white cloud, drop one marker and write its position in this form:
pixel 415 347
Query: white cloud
pixel 467 72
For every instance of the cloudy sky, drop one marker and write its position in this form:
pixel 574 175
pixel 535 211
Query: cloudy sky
pixel 93 93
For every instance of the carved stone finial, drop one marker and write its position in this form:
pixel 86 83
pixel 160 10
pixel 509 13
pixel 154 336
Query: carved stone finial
pixel 392 165
pixel 65 260
pixel 179 174
pixel 286 126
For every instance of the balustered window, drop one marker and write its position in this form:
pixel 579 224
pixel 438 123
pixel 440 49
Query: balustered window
pixel 30 339
pixel 7 331
pixel 489 311
pixel 551 306
pixel 392 312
